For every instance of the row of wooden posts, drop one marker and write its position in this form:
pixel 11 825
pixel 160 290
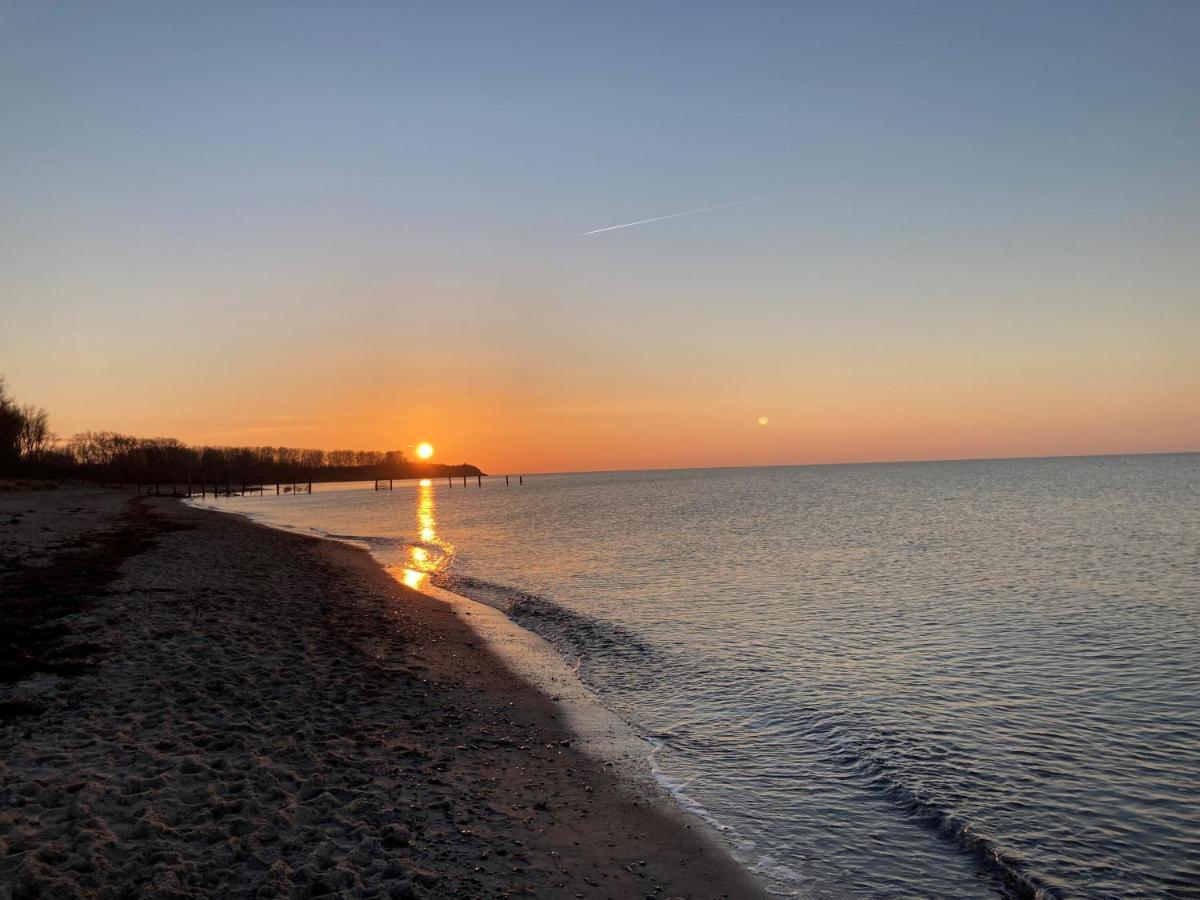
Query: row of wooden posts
pixel 388 484
pixel 188 489
pixel 229 489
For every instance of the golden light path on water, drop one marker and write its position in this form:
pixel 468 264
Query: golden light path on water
pixel 428 556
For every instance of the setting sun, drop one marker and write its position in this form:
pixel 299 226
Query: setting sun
pixel 424 450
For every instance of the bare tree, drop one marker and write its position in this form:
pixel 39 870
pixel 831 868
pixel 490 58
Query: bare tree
pixel 11 423
pixel 34 438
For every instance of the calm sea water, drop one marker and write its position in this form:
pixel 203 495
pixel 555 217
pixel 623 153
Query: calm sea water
pixel 933 679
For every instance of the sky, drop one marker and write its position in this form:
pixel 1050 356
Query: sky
pixel 970 228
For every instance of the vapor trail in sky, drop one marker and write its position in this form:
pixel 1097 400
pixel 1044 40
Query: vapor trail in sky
pixel 689 212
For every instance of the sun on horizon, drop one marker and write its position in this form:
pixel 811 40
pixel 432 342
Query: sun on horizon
pixel 424 450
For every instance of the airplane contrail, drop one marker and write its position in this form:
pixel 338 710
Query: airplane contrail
pixel 689 212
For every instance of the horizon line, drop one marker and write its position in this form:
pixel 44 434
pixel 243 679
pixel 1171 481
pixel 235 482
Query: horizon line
pixel 863 462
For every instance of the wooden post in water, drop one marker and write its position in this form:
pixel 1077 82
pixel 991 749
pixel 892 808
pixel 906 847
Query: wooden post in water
pixel 449 481
pixel 277 489
pixel 479 481
pixel 391 484
pixel 520 479
pixel 464 481
pixel 506 481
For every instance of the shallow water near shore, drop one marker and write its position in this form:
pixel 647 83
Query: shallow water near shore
pixel 927 679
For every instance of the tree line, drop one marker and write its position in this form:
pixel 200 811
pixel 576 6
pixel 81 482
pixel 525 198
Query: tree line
pixel 24 431
pixel 27 446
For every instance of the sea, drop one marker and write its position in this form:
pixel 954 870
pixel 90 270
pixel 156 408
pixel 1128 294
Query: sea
pixel 941 679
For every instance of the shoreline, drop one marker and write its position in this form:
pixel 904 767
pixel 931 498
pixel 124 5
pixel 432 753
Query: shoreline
pixel 598 730
pixel 270 714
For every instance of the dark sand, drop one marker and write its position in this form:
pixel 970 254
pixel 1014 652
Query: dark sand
pixel 195 706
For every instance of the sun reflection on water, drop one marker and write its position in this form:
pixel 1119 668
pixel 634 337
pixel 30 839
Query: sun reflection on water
pixel 431 554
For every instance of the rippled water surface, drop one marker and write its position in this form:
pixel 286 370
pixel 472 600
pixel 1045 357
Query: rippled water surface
pixel 932 679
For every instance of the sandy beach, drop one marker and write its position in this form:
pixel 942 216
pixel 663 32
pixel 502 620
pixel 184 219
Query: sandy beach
pixel 192 705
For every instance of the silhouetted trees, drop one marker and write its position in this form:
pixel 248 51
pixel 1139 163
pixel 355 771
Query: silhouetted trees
pixel 27 445
pixel 25 435
pixel 35 439
pixel 123 458
pixel 10 429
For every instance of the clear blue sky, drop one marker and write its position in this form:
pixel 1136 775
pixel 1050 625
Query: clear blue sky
pixel 959 207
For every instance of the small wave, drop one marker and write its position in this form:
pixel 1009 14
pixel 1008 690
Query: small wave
pixel 780 880
pixel 1006 867
pixel 371 541
pixel 774 873
pixel 576 635
pixel 1012 870
pixel 677 791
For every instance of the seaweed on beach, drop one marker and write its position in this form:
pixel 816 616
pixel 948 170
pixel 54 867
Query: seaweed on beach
pixel 13 485
pixel 36 600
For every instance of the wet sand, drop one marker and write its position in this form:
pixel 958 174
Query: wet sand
pixel 192 705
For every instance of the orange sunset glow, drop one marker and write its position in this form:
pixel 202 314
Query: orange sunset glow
pixel 537 313
pixel 937 406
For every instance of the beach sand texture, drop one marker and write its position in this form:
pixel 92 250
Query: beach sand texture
pixel 196 706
